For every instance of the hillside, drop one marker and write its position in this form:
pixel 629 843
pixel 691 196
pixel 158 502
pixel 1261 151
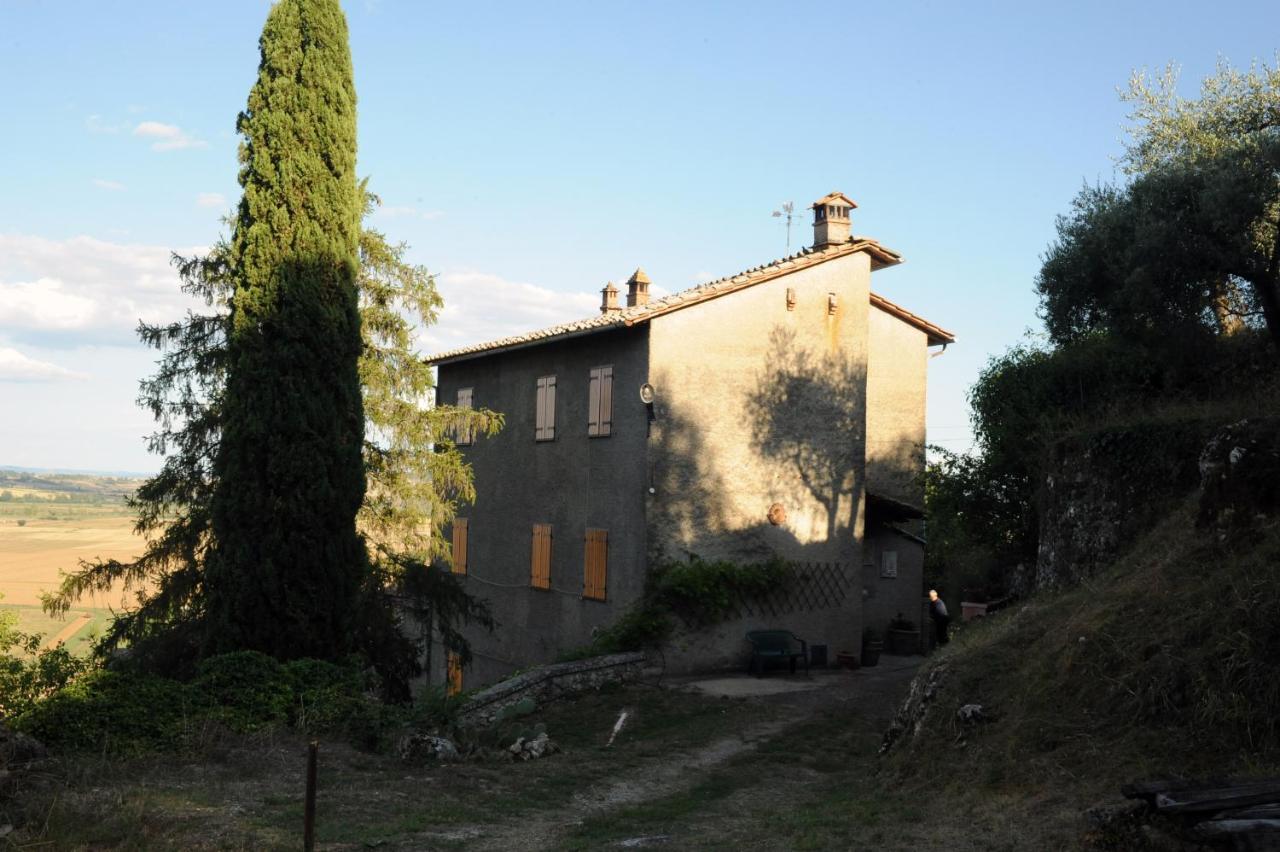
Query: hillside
pixel 1162 664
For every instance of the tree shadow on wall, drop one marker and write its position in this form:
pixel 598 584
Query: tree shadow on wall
pixel 808 412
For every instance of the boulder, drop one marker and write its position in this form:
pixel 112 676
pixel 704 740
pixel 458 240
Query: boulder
pixel 425 748
pixel 1240 473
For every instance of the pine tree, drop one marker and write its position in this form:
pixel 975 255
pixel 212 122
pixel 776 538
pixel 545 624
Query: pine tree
pixel 287 563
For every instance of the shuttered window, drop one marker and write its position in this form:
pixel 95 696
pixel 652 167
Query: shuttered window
pixel 453 673
pixel 460 545
pixel 600 402
pixel 540 574
pixel 465 435
pixel 595 568
pixel 545 414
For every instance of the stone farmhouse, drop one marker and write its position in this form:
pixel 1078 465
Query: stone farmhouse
pixel 778 411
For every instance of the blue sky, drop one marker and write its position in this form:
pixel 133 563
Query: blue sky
pixel 530 152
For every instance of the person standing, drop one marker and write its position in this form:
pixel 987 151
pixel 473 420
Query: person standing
pixel 938 612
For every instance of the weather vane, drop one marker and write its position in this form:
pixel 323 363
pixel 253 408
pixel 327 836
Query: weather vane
pixel 788 209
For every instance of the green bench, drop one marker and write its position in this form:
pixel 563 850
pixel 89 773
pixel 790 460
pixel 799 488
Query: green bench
pixel 769 645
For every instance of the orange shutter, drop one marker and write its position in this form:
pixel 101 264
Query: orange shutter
pixel 459 545
pixel 595 568
pixel 540 574
pixel 453 673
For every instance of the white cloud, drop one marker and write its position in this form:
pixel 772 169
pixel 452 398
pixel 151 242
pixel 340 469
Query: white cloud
pixel 211 199
pixel 111 185
pixel 168 137
pixel 67 292
pixel 479 306
pixel 16 367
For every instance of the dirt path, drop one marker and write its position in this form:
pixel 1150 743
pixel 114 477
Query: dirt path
pixel 870 696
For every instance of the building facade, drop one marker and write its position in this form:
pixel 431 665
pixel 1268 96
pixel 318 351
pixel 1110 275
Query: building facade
pixel 776 412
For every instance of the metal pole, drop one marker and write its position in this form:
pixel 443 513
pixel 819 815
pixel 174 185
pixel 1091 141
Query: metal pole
pixel 309 820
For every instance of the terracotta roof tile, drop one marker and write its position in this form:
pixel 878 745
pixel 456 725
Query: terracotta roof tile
pixel 629 316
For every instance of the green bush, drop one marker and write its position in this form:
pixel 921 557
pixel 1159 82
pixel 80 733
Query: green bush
pixel 112 711
pixel 325 697
pixel 245 690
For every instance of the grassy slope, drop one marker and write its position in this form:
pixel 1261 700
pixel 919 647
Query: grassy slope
pixel 1164 665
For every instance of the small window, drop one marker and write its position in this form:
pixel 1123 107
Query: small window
pixel 465 434
pixel 545 415
pixel 600 402
pixel 889 564
pixel 453 673
pixel 540 574
pixel 595 567
pixel 460 545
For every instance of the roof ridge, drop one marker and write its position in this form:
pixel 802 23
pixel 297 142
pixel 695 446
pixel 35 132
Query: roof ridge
pixel 807 256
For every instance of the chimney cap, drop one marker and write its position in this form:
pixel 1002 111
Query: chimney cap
pixel 609 288
pixel 835 197
pixel 639 277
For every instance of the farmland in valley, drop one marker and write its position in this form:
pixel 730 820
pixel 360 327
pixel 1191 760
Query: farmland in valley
pixel 48 524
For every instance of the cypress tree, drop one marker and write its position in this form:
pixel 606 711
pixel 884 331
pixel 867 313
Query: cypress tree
pixel 287 563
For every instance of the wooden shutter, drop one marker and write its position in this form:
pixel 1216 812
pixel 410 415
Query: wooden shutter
pixel 600 402
pixel 595 568
pixel 453 673
pixel 460 545
pixel 540 573
pixel 545 410
pixel 465 435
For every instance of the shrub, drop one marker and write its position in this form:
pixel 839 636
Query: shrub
pixel 325 697
pixel 112 711
pixel 245 690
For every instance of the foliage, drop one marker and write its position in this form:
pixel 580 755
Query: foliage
pixel 1192 241
pixel 416 476
pixel 121 712
pixel 30 672
pixel 699 592
pixel 982 506
pixel 130 711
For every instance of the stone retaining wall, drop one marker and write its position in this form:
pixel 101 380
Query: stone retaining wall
pixel 547 683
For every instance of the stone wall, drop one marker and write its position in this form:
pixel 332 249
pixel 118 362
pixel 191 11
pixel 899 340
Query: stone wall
pixel 1102 489
pixel 547 683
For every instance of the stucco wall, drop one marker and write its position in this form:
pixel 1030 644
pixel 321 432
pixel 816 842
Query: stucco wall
pixel 896 377
pixel 572 483
pixel 756 405
pixel 885 597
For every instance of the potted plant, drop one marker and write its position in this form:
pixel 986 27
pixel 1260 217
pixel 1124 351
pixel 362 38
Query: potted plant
pixel 904 636
pixel 872 645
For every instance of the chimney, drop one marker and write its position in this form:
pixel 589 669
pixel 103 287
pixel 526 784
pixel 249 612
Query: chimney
pixel 831 219
pixel 609 299
pixel 637 288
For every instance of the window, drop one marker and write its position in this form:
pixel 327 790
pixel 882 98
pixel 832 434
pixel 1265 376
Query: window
pixel 460 545
pixel 540 574
pixel 889 564
pixel 600 402
pixel 545 417
pixel 465 435
pixel 595 567
pixel 453 672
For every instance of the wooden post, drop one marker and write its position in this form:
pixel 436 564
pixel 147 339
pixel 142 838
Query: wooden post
pixel 309 819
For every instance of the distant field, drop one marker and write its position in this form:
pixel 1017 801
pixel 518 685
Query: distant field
pixel 48 524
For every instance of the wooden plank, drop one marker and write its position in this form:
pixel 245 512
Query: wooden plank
pixel 1147 789
pixel 1195 801
pixel 1251 827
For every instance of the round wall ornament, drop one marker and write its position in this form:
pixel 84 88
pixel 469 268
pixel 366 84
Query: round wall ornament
pixel 777 514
